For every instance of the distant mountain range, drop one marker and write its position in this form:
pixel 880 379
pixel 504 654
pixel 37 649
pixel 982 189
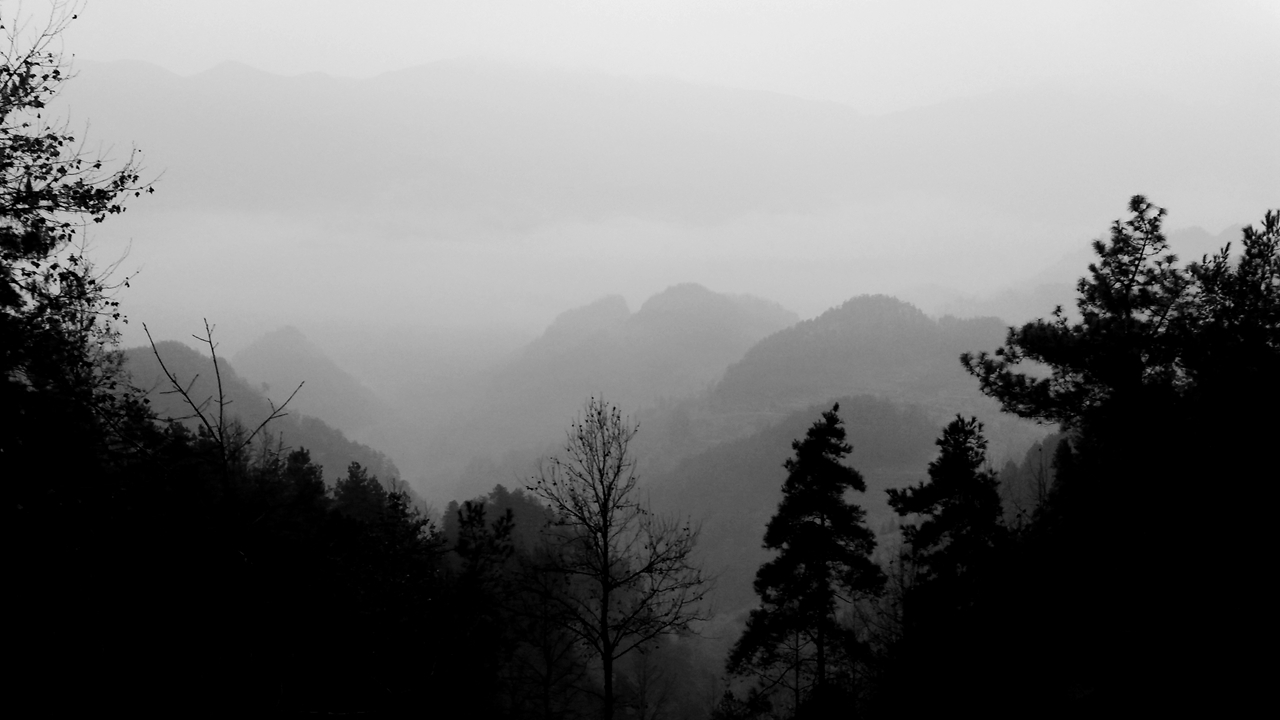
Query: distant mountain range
pixel 677 343
pixel 698 368
pixel 484 145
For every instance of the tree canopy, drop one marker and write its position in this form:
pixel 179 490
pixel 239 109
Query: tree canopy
pixel 959 505
pixel 55 309
pixel 1165 382
pixel 824 559
pixel 631 572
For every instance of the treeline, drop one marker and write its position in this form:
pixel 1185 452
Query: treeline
pixel 1089 579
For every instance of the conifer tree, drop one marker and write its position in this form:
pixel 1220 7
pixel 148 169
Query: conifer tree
pixel 1165 382
pixel 824 558
pixel 960 505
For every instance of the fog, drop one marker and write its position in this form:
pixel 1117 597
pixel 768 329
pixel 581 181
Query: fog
pixel 873 56
pixel 1186 90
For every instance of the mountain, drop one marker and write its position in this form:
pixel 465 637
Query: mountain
pixel 328 446
pixel 676 344
pixel 485 145
pixel 282 359
pixel 871 344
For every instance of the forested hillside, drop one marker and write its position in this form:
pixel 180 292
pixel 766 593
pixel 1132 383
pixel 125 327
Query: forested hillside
pixel 329 448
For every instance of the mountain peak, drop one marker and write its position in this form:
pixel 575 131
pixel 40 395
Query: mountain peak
pixel 603 314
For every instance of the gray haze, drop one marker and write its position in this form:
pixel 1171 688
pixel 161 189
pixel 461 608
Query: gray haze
pixel 422 188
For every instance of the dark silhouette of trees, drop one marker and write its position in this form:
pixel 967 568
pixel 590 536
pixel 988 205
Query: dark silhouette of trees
pixel 547 675
pixel 359 495
pixel 959 506
pixel 65 410
pixel 480 632
pixel 1166 387
pixel 824 559
pixel 629 574
pixel 932 627
pixel 58 365
pixel 230 437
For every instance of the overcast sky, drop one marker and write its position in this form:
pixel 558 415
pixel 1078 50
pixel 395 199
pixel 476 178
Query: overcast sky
pixel 874 55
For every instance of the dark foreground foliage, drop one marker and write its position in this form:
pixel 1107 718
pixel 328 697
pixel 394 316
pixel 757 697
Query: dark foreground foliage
pixel 1099 586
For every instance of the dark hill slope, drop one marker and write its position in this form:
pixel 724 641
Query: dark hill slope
pixel 328 446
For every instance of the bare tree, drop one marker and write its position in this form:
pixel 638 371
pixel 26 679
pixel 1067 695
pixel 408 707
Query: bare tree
pixel 226 435
pixel 629 573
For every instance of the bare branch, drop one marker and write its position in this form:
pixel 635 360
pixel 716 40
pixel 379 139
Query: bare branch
pixel 631 575
pixel 177 387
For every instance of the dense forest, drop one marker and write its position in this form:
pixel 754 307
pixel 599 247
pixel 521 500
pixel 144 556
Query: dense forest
pixel 818 527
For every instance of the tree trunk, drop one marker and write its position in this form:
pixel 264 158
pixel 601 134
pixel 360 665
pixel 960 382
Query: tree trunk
pixel 821 660
pixel 797 659
pixel 606 650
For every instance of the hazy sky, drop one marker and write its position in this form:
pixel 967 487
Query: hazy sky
pixel 875 55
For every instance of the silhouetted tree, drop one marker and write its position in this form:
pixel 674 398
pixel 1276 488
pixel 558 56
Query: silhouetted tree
pixel 60 374
pixel 68 421
pixel 1165 382
pixel 547 673
pixel 56 313
pixel 360 495
pixel 630 574
pixel 960 507
pixel 479 631
pixel 824 558
pixel 952 536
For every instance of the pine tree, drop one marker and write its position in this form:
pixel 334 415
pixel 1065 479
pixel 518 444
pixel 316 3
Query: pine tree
pixel 1165 383
pixel 824 558
pixel 960 506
